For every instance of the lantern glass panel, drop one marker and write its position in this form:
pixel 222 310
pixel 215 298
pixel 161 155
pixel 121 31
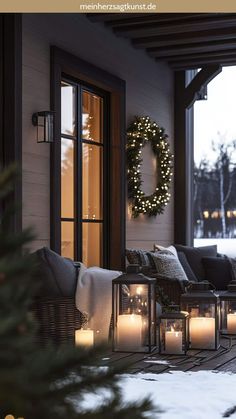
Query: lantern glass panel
pixel 134 314
pixel 45 127
pixel 202 325
pixel 40 129
pixel 49 128
pixel 228 316
pixel 203 307
pixel 173 336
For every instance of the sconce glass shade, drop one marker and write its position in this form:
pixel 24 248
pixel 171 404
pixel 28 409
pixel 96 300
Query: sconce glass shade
pixel 134 313
pixel 228 310
pixel 174 333
pixel 44 122
pixel 203 306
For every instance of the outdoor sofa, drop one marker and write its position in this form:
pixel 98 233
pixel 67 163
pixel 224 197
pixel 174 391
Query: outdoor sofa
pixel 54 305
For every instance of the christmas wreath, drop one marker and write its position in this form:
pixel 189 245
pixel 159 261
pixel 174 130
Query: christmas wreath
pixel 140 132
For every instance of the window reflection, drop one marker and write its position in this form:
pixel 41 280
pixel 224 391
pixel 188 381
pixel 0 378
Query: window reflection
pixel 68 113
pixel 92 182
pixel 92 244
pixel 67 239
pixel 92 117
pixel 67 178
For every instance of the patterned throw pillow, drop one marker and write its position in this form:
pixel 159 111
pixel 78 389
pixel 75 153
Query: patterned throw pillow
pixel 132 256
pixel 169 249
pixel 139 257
pixel 169 265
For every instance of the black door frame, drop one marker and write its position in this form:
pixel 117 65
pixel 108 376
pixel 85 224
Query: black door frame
pixel 63 63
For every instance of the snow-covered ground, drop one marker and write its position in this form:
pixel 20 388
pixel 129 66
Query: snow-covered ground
pixel 179 395
pixel 193 395
pixel 226 246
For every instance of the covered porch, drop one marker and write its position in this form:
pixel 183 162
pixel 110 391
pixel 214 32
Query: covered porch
pixel 94 79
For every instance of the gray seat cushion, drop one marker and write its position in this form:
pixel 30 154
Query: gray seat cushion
pixel 194 256
pixel 58 275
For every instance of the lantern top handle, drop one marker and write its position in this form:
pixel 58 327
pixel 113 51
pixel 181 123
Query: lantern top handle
pixel 200 291
pixel 201 286
pixel 134 278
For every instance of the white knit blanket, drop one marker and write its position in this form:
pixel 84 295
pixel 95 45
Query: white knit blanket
pixel 94 298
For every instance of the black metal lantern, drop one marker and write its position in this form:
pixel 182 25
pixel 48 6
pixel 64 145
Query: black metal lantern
pixel 202 304
pixel 173 333
pixel 134 313
pixel 44 122
pixel 228 310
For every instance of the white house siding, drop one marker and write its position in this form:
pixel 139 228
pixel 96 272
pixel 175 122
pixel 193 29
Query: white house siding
pixel 149 91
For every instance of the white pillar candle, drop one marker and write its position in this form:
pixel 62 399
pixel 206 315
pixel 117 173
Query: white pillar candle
pixel 84 337
pixel 173 342
pixel 202 332
pixel 231 323
pixel 129 331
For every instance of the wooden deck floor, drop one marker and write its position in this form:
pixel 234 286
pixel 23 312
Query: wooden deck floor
pixel 222 360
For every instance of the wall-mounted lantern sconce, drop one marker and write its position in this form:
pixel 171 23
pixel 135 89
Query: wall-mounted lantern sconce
pixel 44 122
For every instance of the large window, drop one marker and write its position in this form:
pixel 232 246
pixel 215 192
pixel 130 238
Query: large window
pixel 215 165
pixel 84 144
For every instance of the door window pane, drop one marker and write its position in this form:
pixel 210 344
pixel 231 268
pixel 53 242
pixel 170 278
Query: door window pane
pixel 92 117
pixel 67 178
pixel 68 112
pixel 67 239
pixel 92 244
pixel 92 180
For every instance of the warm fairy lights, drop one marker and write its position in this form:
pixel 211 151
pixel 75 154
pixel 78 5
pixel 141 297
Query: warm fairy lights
pixel 139 133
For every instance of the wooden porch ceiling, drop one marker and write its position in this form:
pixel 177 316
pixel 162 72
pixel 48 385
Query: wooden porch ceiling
pixel 183 40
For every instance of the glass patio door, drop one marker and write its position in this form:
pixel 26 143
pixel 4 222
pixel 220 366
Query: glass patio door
pixel 83 173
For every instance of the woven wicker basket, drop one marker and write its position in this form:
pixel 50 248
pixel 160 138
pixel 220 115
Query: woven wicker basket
pixel 58 318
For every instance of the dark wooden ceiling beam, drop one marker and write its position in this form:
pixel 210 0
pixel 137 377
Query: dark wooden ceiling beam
pixel 125 18
pixel 192 37
pixel 200 24
pixel 218 54
pixel 199 63
pixel 184 40
pixel 104 17
pixel 179 50
pixel 161 18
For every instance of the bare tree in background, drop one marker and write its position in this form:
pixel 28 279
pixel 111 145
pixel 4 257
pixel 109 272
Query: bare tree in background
pixel 201 173
pixel 224 167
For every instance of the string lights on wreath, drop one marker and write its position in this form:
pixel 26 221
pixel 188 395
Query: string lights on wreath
pixel 140 132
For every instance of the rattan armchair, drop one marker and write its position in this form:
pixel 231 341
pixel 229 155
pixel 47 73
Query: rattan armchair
pixel 57 318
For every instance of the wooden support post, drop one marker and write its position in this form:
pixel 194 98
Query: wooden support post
pixel 187 90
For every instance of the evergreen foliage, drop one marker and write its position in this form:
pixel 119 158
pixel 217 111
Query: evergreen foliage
pixel 36 382
pixel 141 132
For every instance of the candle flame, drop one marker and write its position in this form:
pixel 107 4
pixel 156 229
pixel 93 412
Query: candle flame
pixel 139 290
